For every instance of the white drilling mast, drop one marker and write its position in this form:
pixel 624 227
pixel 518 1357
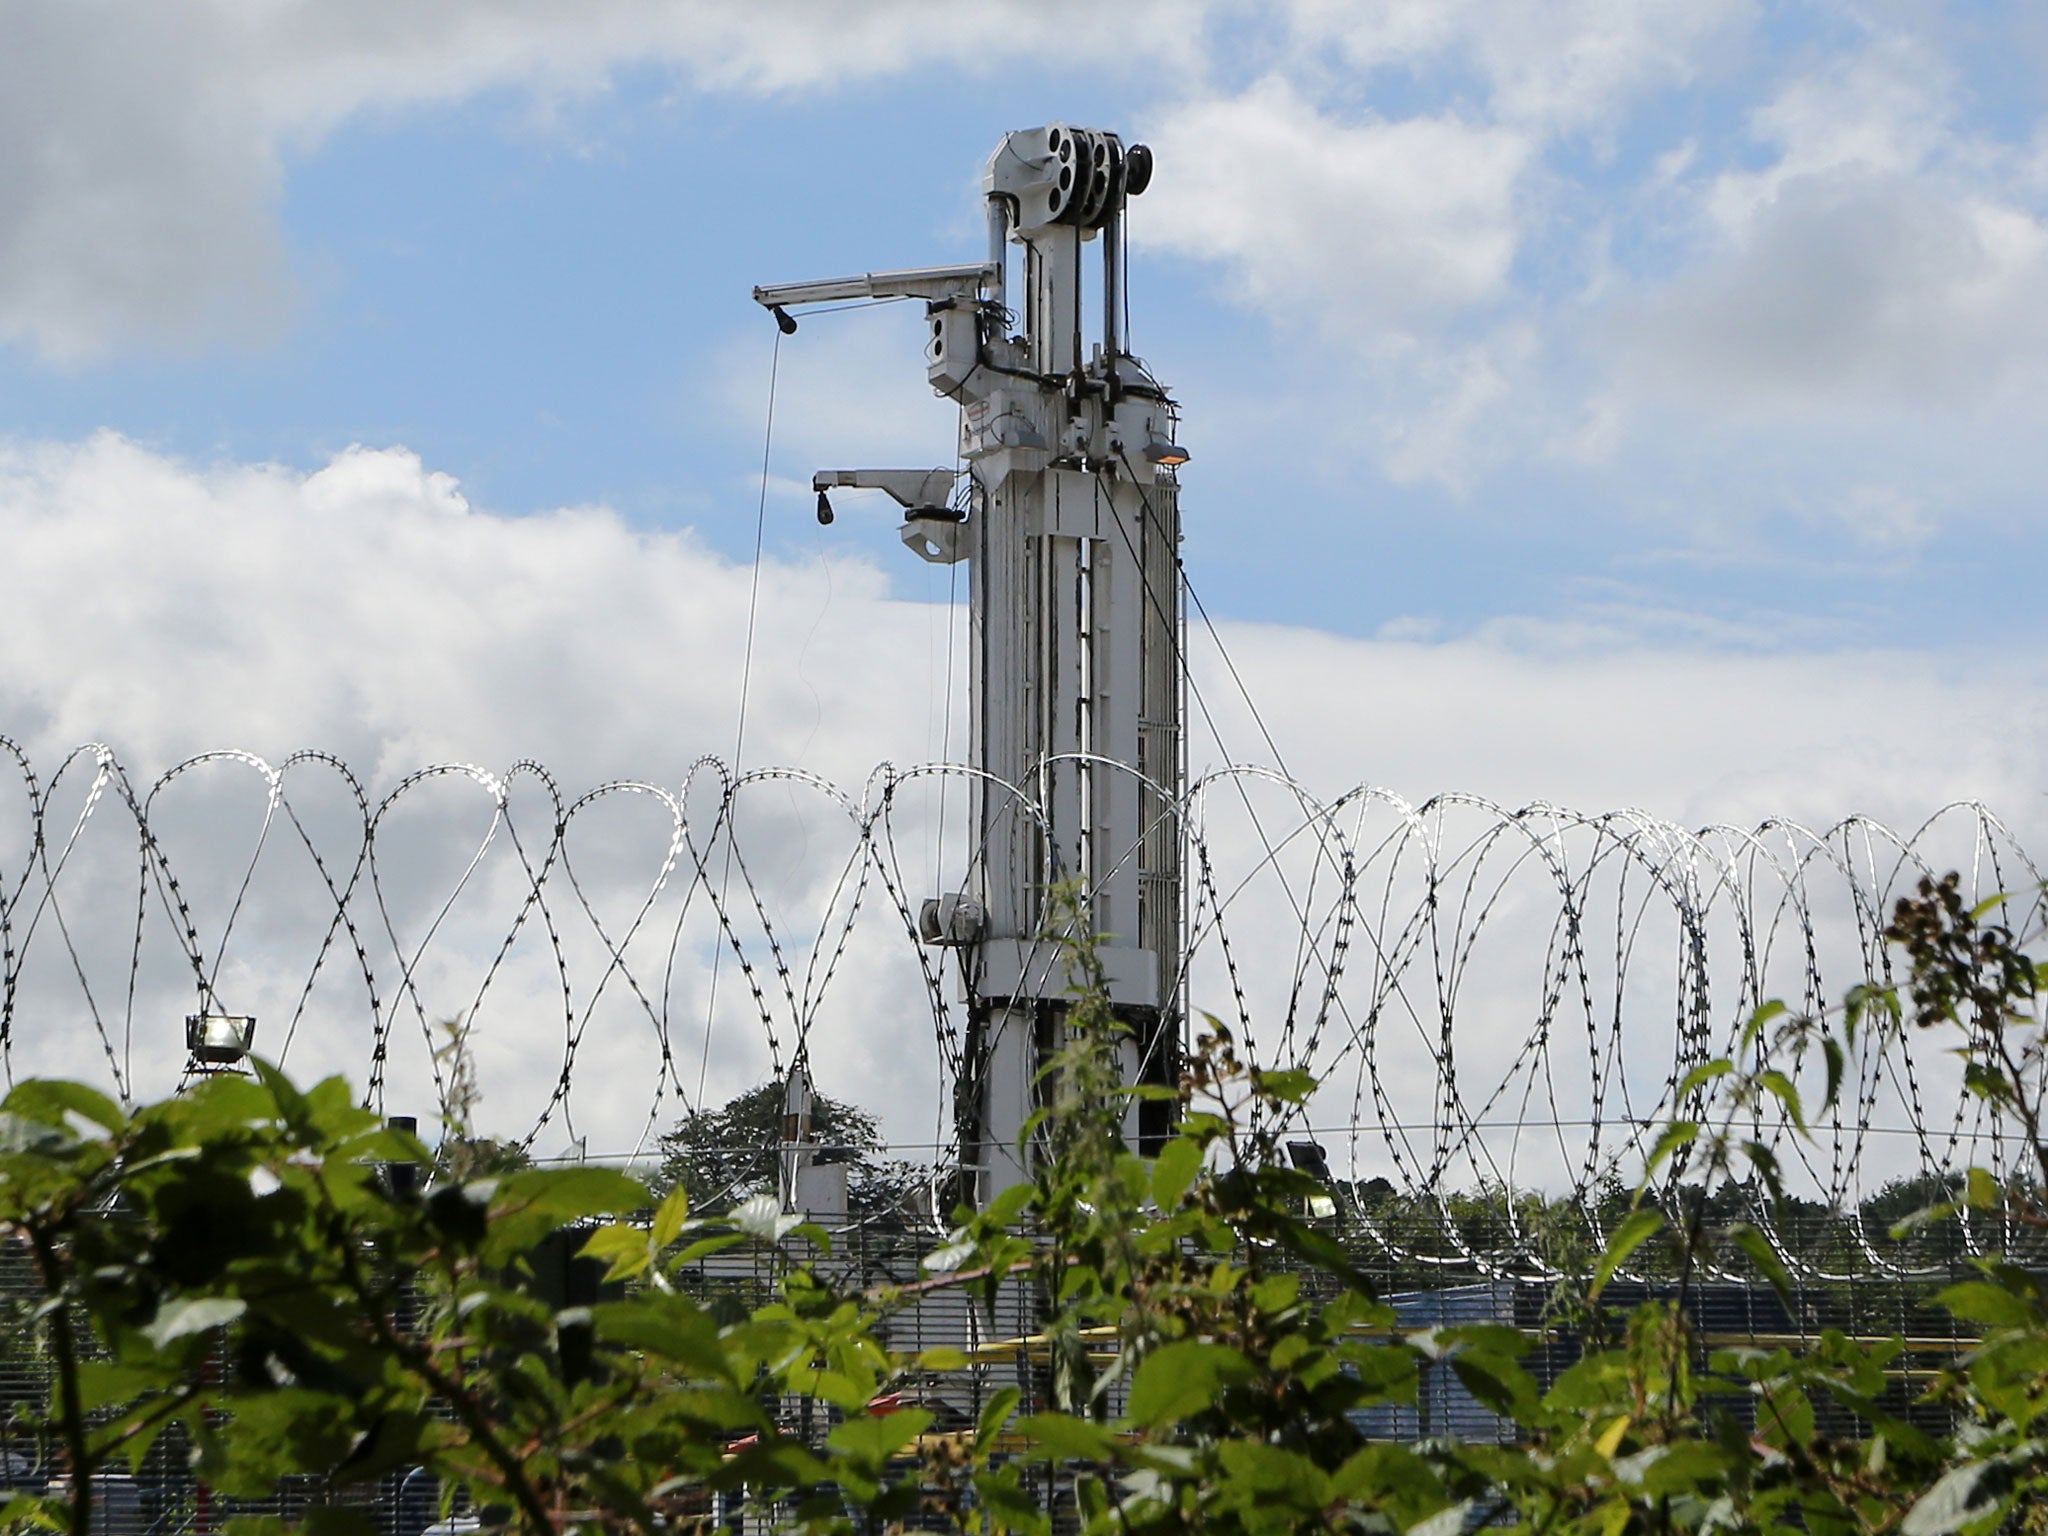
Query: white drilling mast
pixel 1070 521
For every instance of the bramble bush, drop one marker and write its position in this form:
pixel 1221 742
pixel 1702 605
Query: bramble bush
pixel 239 1263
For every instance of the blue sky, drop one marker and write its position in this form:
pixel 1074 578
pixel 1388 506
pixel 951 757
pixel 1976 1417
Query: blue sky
pixel 1567 337
pixel 1721 320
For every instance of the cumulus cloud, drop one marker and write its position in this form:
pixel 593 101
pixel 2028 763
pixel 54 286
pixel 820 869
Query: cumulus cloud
pixel 1552 67
pixel 1854 287
pixel 1589 715
pixel 847 395
pixel 1827 319
pixel 1378 225
pixel 146 145
pixel 148 148
pixel 1883 256
pixel 135 197
pixel 368 609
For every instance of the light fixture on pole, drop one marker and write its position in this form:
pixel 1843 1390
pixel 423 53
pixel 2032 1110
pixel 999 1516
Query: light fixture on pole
pixel 219 1042
pixel 1164 451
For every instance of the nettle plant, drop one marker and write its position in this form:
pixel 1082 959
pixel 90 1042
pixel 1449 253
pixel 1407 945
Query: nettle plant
pixel 237 1269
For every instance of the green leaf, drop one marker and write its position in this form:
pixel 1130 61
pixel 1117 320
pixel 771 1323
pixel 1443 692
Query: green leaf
pixel 181 1316
pixel 1266 1475
pixel 871 1439
pixel 667 1325
pixel 670 1216
pixel 572 1194
pixel 1010 1204
pixel 622 1249
pixel 1179 1161
pixel 1674 1470
pixel 1754 1029
pixel 762 1217
pixel 1067 1438
pixel 1763 1256
pixel 51 1100
pixel 1987 1082
pixel 103 1383
pixel 1981 1191
pixel 1779 1086
pixel 1786 1417
pixel 1987 906
pixel 1184 1378
pixel 775 1464
pixel 1963 1494
pixel 1370 1475
pixel 1497 1382
pixel 1002 1491
pixel 1702 1075
pixel 1290 1087
pixel 994 1415
pixel 1765 1162
pixel 1640 1225
pixel 1926 1216
pixel 1977 1301
pixel 704 1247
pixel 1831 1052
pixel 1679 1133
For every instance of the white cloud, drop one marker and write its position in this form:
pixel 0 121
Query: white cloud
pixel 849 394
pixel 143 146
pixel 1883 257
pixel 1552 67
pixel 1845 289
pixel 1885 517
pixel 1598 720
pixel 1376 226
pixel 135 182
pixel 1438 438
pixel 1693 733
pixel 367 608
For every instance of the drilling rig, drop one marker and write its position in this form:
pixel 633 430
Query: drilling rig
pixel 1067 514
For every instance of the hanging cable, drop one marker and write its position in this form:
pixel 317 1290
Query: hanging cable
pixel 1152 598
pixel 739 740
pixel 760 535
pixel 1231 666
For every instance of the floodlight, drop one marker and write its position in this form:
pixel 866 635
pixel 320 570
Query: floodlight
pixel 219 1039
pixel 1310 1158
pixel 1163 451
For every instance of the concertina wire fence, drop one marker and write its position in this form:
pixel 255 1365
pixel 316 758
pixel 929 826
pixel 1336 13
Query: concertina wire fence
pixel 1500 1005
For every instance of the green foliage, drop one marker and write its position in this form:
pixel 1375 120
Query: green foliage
pixel 232 1264
pixel 726 1156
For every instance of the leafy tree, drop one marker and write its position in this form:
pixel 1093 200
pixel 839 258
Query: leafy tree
pixel 724 1156
pixel 461 1158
